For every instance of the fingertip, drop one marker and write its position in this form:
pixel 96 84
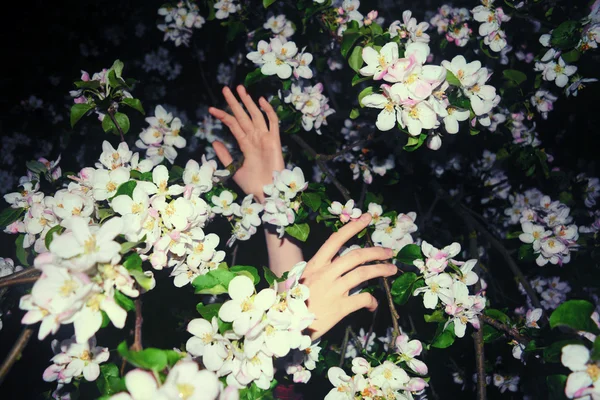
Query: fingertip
pixel 365 218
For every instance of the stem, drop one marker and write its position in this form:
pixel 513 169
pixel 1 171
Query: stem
pixel 345 149
pixel 139 320
pixel 357 340
pixel 21 274
pixel 509 330
pixel 15 352
pixel 467 215
pixel 345 192
pixel 234 254
pixel 344 345
pixel 232 168
pixel 480 364
pixel 19 281
pixel 111 114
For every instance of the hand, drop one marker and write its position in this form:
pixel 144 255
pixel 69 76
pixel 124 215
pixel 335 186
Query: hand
pixel 259 143
pixel 330 279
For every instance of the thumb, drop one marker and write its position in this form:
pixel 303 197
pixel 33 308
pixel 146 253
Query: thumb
pixel 222 153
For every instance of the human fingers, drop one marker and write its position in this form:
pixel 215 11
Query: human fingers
pixel 257 117
pixel 332 245
pixel 238 111
pixel 358 301
pixel 231 122
pixel 365 273
pixel 271 116
pixel 222 153
pixel 358 257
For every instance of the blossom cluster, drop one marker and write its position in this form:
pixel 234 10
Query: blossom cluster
pixel 283 198
pixel 184 381
pixel 73 360
pixel 450 288
pixel 245 216
pixel 387 380
pixel 313 105
pixel 393 232
pixel 162 137
pixel 281 58
pixel 409 30
pixel 265 325
pixel 417 98
pixel 280 26
pixel 180 19
pixel 346 13
pixel 552 290
pixel 583 381
pixel 546 225
pixel 453 22
pixel 491 19
pixel 554 69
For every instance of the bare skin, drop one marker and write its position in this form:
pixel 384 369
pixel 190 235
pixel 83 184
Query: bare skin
pixel 329 278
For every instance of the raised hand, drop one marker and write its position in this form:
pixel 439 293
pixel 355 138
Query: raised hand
pixel 330 279
pixel 259 142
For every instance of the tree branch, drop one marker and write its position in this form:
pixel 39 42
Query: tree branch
pixel 19 281
pixel 509 330
pixel 139 320
pixel 21 274
pixel 345 149
pixel 15 352
pixel 344 345
pixel 357 340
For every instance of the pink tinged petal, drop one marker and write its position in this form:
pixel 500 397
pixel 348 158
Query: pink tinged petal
pixel 418 366
pixel 48 325
pixel 32 317
pixel 51 373
pixel 577 381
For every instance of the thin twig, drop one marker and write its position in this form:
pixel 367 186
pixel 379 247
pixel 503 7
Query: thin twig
pixel 344 345
pixel 345 149
pixel 232 168
pixel 363 193
pixel 509 330
pixel 345 192
pixel 111 114
pixel 19 281
pixel 234 254
pixel 139 320
pixel 357 342
pixel 21 274
pixel 15 352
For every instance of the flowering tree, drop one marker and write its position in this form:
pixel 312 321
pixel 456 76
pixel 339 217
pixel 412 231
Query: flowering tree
pixel 495 272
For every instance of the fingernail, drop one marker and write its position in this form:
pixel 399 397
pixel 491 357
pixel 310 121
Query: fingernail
pixel 365 217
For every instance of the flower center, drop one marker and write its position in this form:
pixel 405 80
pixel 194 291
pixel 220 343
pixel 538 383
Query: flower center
pixel 86 355
pixel 185 390
pixel 68 288
pixel 89 246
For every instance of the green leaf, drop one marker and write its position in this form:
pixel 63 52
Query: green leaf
pixel 110 382
pixel 575 314
pixel 364 93
pixel 235 28
pixel 36 167
pixel 21 252
pixel 150 358
pixel 474 132
pixel 50 235
pixel 213 282
pixel 298 231
pixel 566 35
pixel 253 77
pixel 105 319
pixel 145 281
pixel 553 353
pixel 526 252
pixel 414 143
pixel 78 111
pixel 513 235
pixel 514 75
pixel 173 357
pixel 123 301
pixel 267 3
pixel 356 79
pixel 125 188
pixel 452 79
pixel 136 104
pixel 250 272
pixel 113 81
pixel 436 316
pixel 355 113
pixel 87 84
pixel 122 120
pixel 312 200
pixel 270 277
pixel 446 338
pixel 376 29
pixel 490 334
pixel 355 60
pixel 348 41
pixel 571 56
pixel 176 174
pixel 10 215
pixel 373 198
pixel 409 253
pixel 133 262
pixel 125 247
pixel 556 387
pixel 497 315
pixel 401 288
pixel 118 68
pixel 208 311
pixel 596 349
